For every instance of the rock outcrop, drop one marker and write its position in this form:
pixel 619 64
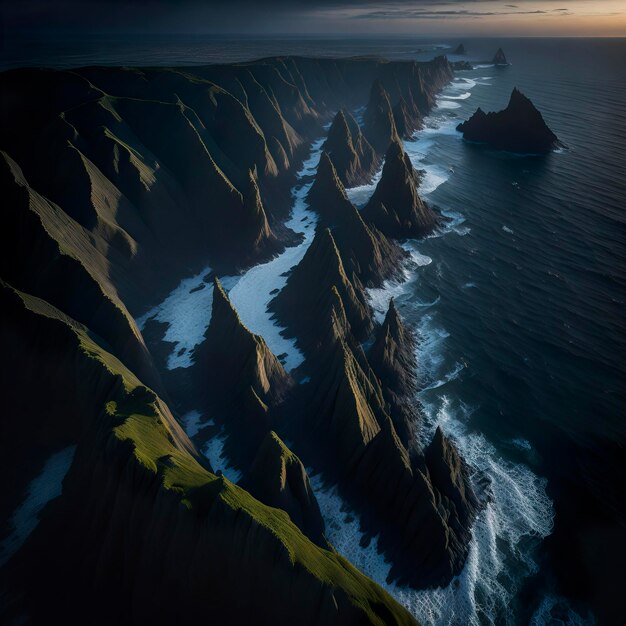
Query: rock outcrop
pixel 460 50
pixel 423 503
pixel 518 128
pixel 366 253
pixel 242 378
pixel 143 528
pixel 395 207
pixel 499 58
pixel 278 478
pixel 379 124
pixel 354 159
pixel 392 357
pixel 311 294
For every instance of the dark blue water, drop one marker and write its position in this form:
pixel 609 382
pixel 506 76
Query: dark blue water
pixel 519 304
pixel 524 338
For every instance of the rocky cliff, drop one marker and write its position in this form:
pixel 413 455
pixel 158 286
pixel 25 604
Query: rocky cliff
pixel 396 208
pixel 518 128
pixel 379 121
pixel 364 250
pixel 278 478
pixel 311 291
pixel 392 357
pixel 353 157
pixel 118 183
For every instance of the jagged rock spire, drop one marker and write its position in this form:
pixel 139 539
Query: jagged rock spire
pixel 278 478
pixel 379 124
pixel 354 159
pixel 366 253
pixel 392 357
pixel 395 207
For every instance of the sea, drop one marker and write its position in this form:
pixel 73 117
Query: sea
pixel 517 302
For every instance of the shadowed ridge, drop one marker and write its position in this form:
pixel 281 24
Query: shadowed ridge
pixel 365 252
pixel 309 287
pixel 353 157
pixel 243 383
pixel 393 359
pixel 278 478
pixel 379 125
pixel 395 207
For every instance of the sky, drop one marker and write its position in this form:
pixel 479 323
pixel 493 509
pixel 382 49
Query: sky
pixel 330 17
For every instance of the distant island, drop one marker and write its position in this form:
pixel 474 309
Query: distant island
pixel 518 128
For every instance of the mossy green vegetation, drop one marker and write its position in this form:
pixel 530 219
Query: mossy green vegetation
pixel 136 415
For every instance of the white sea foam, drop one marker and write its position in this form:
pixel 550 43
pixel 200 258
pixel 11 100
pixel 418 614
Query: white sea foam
pixel 360 194
pixel 192 423
pixel 463 96
pixel 254 290
pixel 42 489
pixel 187 309
pixel 506 229
pixel 447 104
pixel 214 451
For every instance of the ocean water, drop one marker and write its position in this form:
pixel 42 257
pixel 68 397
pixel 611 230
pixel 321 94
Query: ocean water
pixel 518 303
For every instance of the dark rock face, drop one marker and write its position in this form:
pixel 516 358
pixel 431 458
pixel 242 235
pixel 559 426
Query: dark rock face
pixel 392 357
pixel 395 207
pixel 500 58
pixel 311 290
pixel 424 504
pixel 460 49
pixel 353 157
pixel 239 372
pixel 379 122
pixel 347 403
pixel 366 253
pixel 518 128
pixel 278 478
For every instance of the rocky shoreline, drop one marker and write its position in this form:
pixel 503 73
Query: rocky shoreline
pixel 139 176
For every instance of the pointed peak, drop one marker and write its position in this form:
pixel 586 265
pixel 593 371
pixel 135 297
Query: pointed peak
pixel 395 149
pixel 339 129
pixel 326 181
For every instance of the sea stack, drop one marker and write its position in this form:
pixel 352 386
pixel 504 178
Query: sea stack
pixel 460 50
pixel 395 207
pixel 518 128
pixel 278 478
pixel 500 58
pixel 379 123
pixel 353 157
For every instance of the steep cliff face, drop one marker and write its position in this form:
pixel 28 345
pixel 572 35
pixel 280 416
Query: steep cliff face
pixel 424 506
pixel 311 291
pixel 144 530
pixel 395 207
pixel 379 123
pixel 242 379
pixel 278 478
pixel 518 128
pixel 365 251
pixel 392 357
pixel 119 183
pixel 346 405
pixel 354 159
